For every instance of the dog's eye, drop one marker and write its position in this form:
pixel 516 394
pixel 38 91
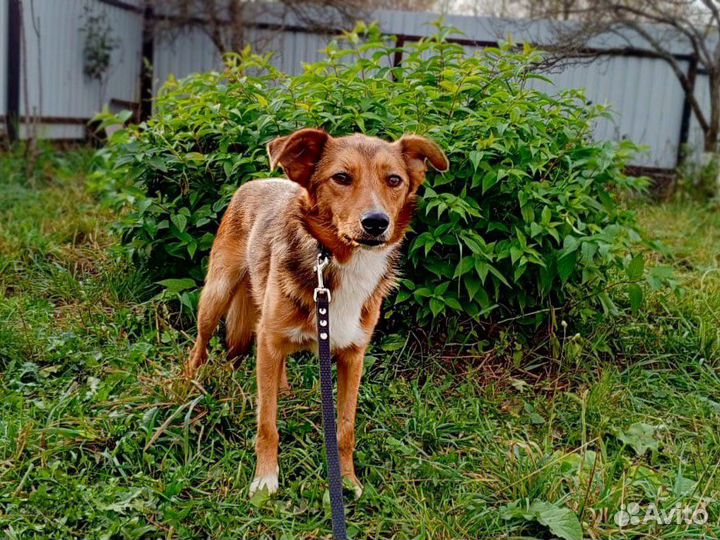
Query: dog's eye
pixel 344 179
pixel 394 180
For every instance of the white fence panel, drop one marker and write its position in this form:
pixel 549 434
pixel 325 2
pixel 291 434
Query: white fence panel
pixel 186 51
pixel 643 95
pixel 58 90
pixel 190 50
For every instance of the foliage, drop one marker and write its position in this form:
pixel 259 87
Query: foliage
pixel 561 521
pixel 100 439
pixel 699 176
pixel 641 437
pixel 100 42
pixel 46 161
pixel 527 214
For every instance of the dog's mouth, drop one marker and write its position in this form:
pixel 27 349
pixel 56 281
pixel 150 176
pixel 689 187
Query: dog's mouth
pixel 366 242
pixel 370 242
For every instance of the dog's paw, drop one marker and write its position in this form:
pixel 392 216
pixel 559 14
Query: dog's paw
pixel 353 485
pixel 197 359
pixel 267 482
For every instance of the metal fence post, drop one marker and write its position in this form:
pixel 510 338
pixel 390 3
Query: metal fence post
pixel 13 70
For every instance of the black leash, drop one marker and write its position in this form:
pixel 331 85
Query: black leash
pixel 322 305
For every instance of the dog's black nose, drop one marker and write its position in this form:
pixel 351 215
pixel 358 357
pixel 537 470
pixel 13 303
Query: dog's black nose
pixel 375 223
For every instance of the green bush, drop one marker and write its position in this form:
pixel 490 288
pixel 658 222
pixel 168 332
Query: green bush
pixel 526 217
pixel 697 176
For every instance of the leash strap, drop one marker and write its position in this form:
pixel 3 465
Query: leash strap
pixel 322 305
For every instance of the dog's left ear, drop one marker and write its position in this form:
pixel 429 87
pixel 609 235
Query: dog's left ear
pixel 417 151
pixel 298 153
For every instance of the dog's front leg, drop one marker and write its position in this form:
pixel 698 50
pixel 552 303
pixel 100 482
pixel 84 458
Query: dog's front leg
pixel 270 359
pixel 350 366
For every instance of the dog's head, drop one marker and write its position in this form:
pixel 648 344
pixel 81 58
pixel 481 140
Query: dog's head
pixel 362 189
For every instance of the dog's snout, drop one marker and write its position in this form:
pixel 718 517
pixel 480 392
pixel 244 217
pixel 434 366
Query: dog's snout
pixel 375 223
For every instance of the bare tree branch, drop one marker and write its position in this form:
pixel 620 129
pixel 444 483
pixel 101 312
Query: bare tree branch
pixel 713 7
pixel 681 75
pixel 652 28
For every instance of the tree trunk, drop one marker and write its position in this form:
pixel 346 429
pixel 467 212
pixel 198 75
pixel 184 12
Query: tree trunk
pixel 711 134
pixel 711 154
pixel 237 25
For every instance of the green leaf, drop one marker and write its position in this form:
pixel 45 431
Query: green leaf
pixel 453 303
pixel 260 497
pixel 227 168
pixel 394 343
pixel 566 265
pixel 195 156
pixel 489 180
pixel 473 285
pixel 475 158
pixel 482 268
pixel 607 304
pixel 441 288
pixel 546 215
pixel 635 294
pixel 495 272
pixel 659 276
pixel 437 306
pixel 535 229
pixel 636 267
pixel 561 521
pixel 177 285
pixel 124 115
pixel 464 266
pixel 180 221
pixel 641 437
pixel 402 295
pixel 422 292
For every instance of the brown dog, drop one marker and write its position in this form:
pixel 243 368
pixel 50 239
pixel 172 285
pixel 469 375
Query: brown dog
pixel 353 195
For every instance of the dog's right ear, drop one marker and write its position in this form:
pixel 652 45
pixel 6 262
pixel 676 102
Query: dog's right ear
pixel 298 153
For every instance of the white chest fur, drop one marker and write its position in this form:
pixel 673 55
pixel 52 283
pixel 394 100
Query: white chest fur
pixel 355 282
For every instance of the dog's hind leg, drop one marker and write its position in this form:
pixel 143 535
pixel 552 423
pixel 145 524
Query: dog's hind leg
pixel 240 326
pixel 284 387
pixel 224 275
pixel 270 357
pixel 240 321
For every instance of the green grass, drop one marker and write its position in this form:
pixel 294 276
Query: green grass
pixel 100 438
